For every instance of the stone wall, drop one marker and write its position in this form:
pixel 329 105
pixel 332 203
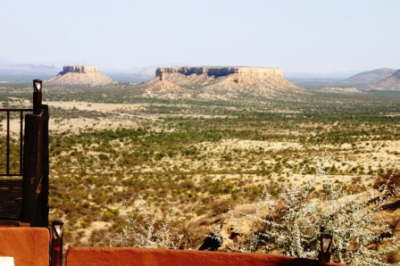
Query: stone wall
pixel 218 71
pixel 78 69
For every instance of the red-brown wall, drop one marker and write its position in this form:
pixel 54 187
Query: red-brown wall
pixel 164 257
pixel 28 246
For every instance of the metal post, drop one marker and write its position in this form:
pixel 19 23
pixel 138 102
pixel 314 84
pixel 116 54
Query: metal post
pixel 35 208
pixel 8 144
pixel 21 141
pixel 56 250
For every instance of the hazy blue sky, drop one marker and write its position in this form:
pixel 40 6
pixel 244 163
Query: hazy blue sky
pixel 301 36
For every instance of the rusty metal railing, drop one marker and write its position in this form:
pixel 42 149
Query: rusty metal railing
pixel 8 112
pixel 24 163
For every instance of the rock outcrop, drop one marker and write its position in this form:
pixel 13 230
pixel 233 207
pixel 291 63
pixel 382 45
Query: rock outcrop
pixel 80 75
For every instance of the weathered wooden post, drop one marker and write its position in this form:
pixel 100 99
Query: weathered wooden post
pixel 35 209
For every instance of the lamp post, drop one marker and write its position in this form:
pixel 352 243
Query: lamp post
pixel 326 239
pixel 56 243
pixel 37 95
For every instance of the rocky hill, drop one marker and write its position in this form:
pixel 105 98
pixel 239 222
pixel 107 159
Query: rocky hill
pixel 80 75
pixel 219 82
pixel 391 83
pixel 369 77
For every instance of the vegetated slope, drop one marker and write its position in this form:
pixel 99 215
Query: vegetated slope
pixel 268 87
pixel 73 79
pixel 390 83
pixel 189 172
pixel 186 166
pixel 167 89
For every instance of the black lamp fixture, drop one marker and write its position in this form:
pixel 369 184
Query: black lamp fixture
pixel 37 96
pixel 326 240
pixel 57 233
pixel 37 84
pixel 57 228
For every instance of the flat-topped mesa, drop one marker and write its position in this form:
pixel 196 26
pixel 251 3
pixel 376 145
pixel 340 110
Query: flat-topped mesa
pixel 220 82
pixel 78 69
pixel 80 75
pixel 219 71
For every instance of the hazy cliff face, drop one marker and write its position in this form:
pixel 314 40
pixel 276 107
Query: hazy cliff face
pixel 219 71
pixel 78 69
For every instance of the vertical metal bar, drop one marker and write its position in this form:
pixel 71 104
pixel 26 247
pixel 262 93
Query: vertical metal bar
pixel 8 144
pixel 21 141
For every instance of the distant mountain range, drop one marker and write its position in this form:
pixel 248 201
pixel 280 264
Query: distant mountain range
pixel 15 69
pixel 382 79
pixel 372 76
pixel 26 72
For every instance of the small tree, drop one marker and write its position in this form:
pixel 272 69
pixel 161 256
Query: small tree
pixel 357 227
pixel 148 227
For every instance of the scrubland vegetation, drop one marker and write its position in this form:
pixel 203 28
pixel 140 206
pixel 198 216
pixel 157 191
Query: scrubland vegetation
pixel 191 167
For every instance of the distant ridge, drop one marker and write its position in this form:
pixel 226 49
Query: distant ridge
pixel 391 83
pixel 80 75
pixel 23 69
pixel 370 77
pixel 26 72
